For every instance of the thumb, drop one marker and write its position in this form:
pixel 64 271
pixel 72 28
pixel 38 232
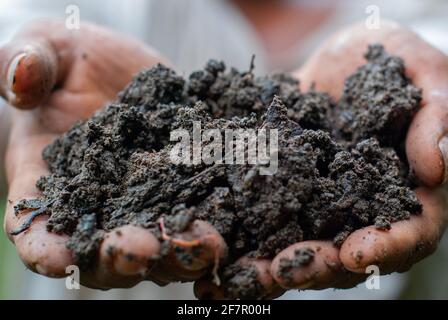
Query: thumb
pixel 33 62
pixel 28 71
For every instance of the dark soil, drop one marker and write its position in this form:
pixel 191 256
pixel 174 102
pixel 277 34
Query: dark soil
pixel 341 164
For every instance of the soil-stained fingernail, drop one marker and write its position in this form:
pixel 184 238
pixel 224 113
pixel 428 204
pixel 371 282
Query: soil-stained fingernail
pixel 11 74
pixel 443 146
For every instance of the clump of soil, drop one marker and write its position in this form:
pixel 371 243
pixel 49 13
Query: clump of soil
pixel 341 165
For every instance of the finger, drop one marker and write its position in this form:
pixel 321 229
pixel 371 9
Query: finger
pixel 130 250
pixel 40 250
pixel 269 288
pixel 33 63
pixel 425 65
pixel 24 165
pixel 43 252
pixel 312 265
pixel 126 256
pixel 248 278
pixel 427 141
pixel 36 60
pixel 29 73
pixel 405 244
pixel 192 253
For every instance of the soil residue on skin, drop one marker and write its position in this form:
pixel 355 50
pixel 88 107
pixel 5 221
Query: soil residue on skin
pixel 302 258
pixel 242 282
pixel 341 163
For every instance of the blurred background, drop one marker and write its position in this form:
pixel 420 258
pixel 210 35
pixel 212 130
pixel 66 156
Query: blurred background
pixel 282 33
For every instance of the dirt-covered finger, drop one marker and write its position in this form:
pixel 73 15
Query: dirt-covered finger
pixel 427 140
pixel 35 61
pixel 130 250
pixel 24 166
pixel 190 254
pixel 310 265
pixel 250 278
pixel 42 251
pixel 126 256
pixel 405 244
pixel 29 72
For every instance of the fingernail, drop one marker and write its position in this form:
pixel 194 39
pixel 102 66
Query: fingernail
pixel 11 74
pixel 11 77
pixel 443 146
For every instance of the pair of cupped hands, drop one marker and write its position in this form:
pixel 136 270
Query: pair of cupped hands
pixel 52 77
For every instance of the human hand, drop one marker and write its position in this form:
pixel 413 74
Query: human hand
pixel 55 77
pixel 426 146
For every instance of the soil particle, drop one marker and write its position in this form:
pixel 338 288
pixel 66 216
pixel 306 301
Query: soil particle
pixel 341 164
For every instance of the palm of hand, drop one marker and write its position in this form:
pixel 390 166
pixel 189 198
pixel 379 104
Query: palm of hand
pixel 68 75
pixel 408 241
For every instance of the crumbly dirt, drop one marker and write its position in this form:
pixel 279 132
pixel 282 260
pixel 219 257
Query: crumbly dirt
pixel 341 163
